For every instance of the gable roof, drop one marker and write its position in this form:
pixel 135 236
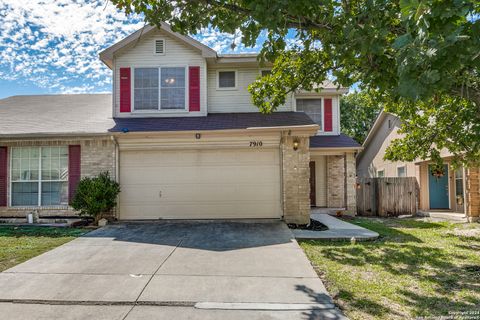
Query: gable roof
pixel 107 55
pixel 45 115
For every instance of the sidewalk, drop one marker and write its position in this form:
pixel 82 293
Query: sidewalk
pixel 337 230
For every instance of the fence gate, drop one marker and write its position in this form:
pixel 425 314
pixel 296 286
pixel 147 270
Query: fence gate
pixel 386 197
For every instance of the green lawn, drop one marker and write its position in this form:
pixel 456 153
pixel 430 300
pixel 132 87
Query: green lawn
pixel 18 244
pixel 415 269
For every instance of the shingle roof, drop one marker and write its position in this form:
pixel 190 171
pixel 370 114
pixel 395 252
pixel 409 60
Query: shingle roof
pixel 56 114
pixel 214 121
pixel 340 141
pixel 78 114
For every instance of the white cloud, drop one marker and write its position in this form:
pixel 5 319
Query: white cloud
pixel 54 44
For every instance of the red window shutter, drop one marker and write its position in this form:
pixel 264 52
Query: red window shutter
pixel 328 115
pixel 74 170
pixel 125 92
pixel 194 88
pixel 3 176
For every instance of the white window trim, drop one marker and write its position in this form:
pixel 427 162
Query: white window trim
pixel 402 166
pixel 159 110
pixel 382 170
pixel 229 88
pixel 322 108
pixel 155 46
pixel 39 181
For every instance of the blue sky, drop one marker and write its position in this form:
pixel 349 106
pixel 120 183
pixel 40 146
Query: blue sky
pixel 52 46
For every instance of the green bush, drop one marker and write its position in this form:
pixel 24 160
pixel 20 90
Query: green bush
pixel 96 196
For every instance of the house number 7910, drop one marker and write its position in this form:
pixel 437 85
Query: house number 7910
pixel 256 143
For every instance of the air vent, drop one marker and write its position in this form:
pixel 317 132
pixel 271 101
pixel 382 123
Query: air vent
pixel 160 46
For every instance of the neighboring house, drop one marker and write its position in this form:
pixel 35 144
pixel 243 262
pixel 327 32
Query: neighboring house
pixel 182 137
pixel 453 190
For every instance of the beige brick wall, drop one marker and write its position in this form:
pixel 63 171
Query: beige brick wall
pixel 351 183
pixel 296 175
pixel 341 182
pixel 335 181
pixel 473 194
pixel 97 155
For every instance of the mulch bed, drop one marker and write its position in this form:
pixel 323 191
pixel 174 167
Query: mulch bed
pixel 314 225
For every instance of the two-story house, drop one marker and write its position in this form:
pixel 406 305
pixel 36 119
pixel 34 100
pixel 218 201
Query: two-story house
pixel 182 137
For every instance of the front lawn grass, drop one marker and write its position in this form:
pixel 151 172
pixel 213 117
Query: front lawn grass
pixel 18 244
pixel 415 269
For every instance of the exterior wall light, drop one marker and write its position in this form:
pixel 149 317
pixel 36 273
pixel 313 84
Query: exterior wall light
pixel 296 143
pixel 198 135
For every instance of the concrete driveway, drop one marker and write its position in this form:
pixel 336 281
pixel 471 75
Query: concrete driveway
pixel 170 270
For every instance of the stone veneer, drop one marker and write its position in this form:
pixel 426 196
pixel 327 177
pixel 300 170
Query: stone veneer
pixel 296 176
pixel 473 194
pixel 97 155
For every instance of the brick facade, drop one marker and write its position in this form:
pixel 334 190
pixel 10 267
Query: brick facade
pixel 341 181
pixel 296 175
pixel 473 194
pixel 97 155
pixel 335 181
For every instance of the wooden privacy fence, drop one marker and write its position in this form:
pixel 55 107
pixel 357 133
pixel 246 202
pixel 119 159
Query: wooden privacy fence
pixel 387 197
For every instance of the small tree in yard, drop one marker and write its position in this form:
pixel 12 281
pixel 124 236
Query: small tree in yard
pixel 96 196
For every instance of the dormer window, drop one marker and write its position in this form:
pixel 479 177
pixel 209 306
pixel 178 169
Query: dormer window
pixel 159 46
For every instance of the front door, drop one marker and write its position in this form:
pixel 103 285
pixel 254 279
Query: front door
pixel 313 192
pixel 438 189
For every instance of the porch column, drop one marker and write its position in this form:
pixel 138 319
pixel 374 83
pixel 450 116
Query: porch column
pixel 472 193
pixel 296 179
pixel 350 184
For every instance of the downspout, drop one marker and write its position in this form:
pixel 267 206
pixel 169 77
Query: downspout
pixel 117 171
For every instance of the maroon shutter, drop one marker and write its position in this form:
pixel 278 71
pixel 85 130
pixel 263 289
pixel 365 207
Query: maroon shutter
pixel 74 170
pixel 328 123
pixel 3 176
pixel 125 92
pixel 194 88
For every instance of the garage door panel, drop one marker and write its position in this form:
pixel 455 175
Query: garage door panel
pixel 204 211
pixel 199 174
pixel 200 184
pixel 199 193
pixel 200 157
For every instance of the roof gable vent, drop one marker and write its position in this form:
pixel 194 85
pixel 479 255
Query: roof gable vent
pixel 160 46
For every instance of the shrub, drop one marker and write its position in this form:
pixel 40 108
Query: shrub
pixel 96 196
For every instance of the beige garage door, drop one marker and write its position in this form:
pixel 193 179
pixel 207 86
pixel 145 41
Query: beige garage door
pixel 200 184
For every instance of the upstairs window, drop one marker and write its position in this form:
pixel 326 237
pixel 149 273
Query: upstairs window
pixel 313 108
pixel 380 173
pixel 266 72
pixel 159 89
pixel 227 80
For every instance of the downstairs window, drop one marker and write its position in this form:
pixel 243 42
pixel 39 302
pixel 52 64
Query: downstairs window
pixel 39 176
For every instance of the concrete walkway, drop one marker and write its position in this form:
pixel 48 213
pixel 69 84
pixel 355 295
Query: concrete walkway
pixel 337 230
pixel 170 270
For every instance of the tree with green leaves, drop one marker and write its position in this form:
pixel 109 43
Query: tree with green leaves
pixel 416 57
pixel 358 113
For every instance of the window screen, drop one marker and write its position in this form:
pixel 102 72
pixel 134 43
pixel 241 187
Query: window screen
pixel 146 88
pixel 226 79
pixel 313 108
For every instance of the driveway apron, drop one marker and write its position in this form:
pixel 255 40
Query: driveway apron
pixel 170 270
